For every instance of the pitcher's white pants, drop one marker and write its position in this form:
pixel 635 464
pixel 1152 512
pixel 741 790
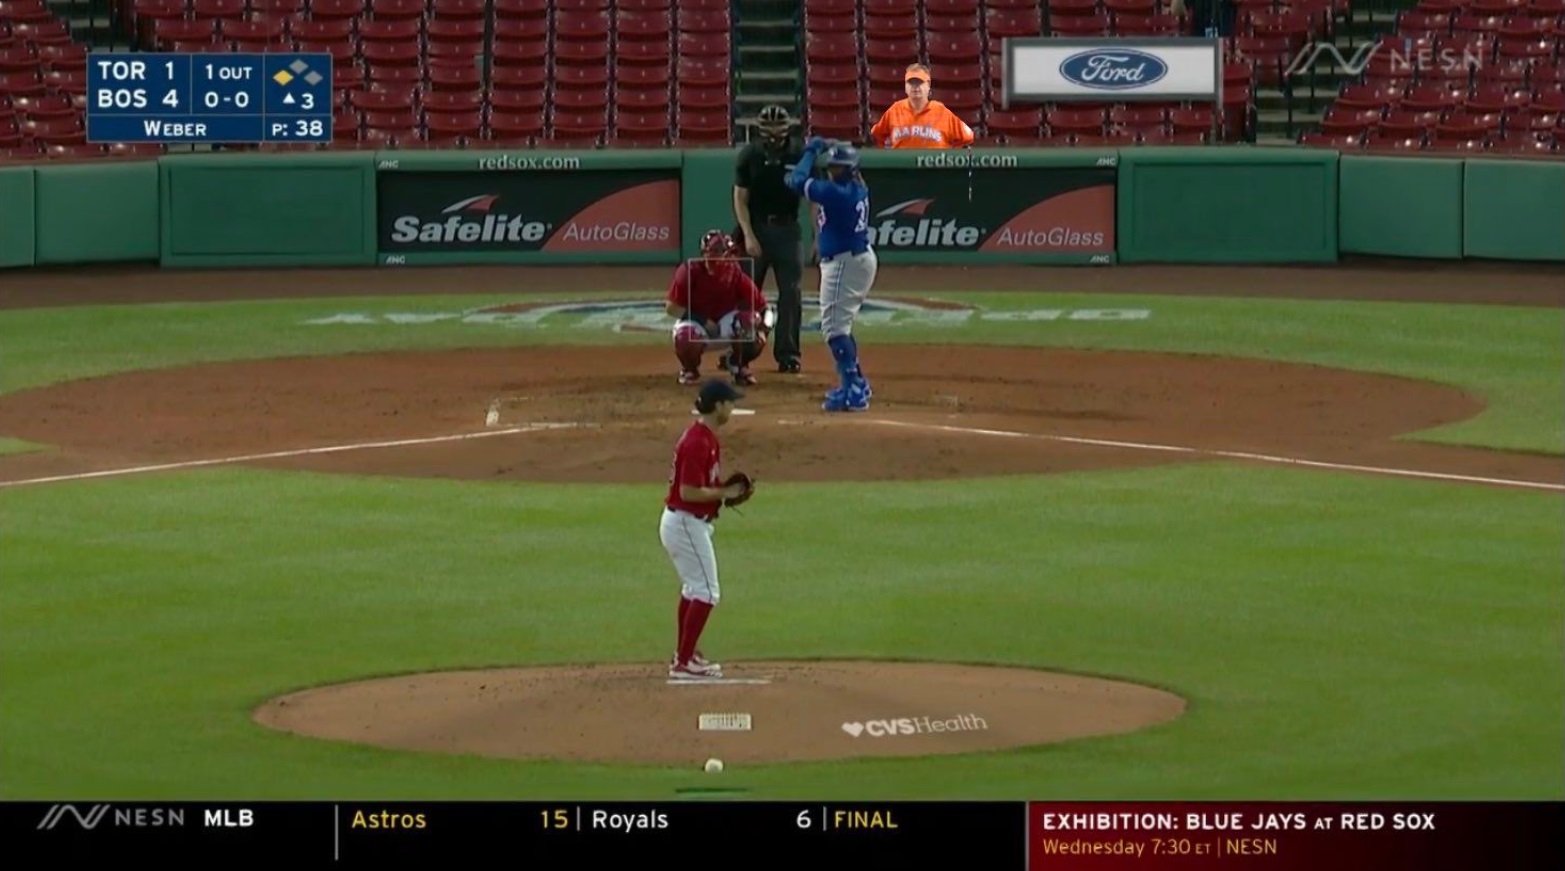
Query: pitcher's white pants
pixel 688 540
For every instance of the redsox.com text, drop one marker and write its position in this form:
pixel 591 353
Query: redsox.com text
pixel 943 159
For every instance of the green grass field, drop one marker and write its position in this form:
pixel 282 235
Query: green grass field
pixel 1337 636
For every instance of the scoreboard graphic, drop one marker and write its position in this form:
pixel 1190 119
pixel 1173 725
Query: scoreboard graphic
pixel 209 98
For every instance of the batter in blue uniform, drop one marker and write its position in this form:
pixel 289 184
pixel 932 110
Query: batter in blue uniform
pixel 847 261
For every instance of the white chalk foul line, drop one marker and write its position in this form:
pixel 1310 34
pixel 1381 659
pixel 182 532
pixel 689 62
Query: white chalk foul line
pixel 1235 455
pixel 301 452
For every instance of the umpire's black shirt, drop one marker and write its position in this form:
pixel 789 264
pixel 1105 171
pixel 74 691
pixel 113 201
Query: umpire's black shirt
pixel 761 171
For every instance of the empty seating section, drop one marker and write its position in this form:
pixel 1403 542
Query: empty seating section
pixel 420 73
pixel 43 86
pixel 1459 76
pixel 856 52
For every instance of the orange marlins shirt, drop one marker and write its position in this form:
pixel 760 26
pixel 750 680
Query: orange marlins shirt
pixel 935 127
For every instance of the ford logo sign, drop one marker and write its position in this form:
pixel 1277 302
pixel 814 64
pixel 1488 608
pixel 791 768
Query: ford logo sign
pixel 1107 69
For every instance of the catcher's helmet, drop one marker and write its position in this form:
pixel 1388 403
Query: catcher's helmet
pixel 716 243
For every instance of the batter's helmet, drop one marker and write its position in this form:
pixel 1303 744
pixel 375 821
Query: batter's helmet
pixel 843 154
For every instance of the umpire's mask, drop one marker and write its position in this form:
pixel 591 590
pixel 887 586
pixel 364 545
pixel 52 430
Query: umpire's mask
pixel 774 123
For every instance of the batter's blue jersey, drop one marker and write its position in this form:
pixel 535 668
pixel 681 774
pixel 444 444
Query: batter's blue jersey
pixel 843 224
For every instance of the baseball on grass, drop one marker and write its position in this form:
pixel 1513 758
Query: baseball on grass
pixel 714 765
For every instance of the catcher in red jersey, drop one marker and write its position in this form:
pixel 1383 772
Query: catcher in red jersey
pixel 697 492
pixel 715 306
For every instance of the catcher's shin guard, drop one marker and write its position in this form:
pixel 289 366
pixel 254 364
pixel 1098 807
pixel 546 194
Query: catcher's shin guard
pixel 689 344
pixel 752 339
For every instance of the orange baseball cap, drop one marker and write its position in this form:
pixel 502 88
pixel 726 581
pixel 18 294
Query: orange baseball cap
pixel 920 75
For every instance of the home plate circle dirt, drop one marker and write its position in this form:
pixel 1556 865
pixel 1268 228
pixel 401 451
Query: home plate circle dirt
pixel 612 415
pixel 798 711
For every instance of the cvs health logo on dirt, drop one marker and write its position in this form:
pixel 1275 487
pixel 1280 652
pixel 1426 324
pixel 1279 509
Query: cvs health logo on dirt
pixel 915 726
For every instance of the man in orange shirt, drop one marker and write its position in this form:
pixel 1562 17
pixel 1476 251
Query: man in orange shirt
pixel 919 122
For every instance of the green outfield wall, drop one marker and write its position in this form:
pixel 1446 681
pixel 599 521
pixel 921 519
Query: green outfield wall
pixel 1401 206
pixel 283 209
pixel 18 238
pixel 1228 205
pixel 1059 206
pixel 1513 209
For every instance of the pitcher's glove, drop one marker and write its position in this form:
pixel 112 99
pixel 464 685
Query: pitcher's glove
pixel 748 489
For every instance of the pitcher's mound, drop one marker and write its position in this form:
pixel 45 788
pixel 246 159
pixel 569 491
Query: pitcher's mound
pixel 794 711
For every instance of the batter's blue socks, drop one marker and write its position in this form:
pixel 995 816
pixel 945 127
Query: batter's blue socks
pixel 843 353
pixel 858 373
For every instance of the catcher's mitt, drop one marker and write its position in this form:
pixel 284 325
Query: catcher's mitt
pixel 745 494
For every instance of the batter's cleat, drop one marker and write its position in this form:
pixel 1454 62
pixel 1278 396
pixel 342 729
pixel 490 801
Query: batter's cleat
pixel 855 399
pixel 743 376
pixel 836 393
pixel 692 671
pixel 689 376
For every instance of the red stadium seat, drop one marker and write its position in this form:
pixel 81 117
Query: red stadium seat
pixel 702 21
pixel 581 25
pixel 1000 24
pixel 573 51
pixel 704 124
pixel 839 123
pixel 1014 122
pixel 341 52
pixel 458 76
pixel 523 100
pixel 330 9
pixel 835 97
pixel 1340 121
pixel 582 76
pixel 454 123
pixel 1339 141
pixel 703 71
pixel 703 97
pixel 456 10
pixel 393 10
pixel 830 47
pixel 523 53
pixel 649 52
pixel 937 23
pixel 509 29
pixel 521 76
pixel 642 75
pixel 515 125
pixel 640 99
pixel 645 25
pixel 391 30
pixel 581 100
pixel 703 45
pixel 953 48
pixel 512 9
pixel 642 126
pixel 379 55
pixel 891 27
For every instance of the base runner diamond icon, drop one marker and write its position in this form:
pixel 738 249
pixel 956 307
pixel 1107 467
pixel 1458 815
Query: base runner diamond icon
pixel 282 77
pixel 298 67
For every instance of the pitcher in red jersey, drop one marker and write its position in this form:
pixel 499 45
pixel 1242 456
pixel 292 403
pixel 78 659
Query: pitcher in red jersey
pixel 715 306
pixel 695 497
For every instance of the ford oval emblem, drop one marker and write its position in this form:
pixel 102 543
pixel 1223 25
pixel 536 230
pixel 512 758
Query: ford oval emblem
pixel 1108 69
